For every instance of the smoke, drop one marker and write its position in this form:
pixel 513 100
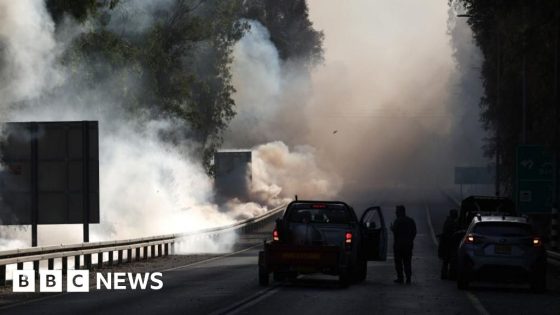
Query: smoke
pixel 386 115
pixel 279 174
pixel 380 114
pixel 27 51
pixel 147 185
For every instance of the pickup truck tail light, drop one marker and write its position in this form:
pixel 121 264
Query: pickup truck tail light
pixel 275 236
pixel 348 237
pixel 537 242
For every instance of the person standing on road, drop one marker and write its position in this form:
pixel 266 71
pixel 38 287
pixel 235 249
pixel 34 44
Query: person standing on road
pixel 404 232
pixel 445 248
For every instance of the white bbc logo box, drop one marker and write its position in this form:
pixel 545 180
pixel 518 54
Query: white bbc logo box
pixel 51 281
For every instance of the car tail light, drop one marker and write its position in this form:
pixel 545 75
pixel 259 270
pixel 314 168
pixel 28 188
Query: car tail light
pixel 537 242
pixel 275 236
pixel 470 239
pixel 348 238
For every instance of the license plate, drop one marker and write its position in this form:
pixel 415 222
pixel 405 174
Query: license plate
pixel 502 249
pixel 302 256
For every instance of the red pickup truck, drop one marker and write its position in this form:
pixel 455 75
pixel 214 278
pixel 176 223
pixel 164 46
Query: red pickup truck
pixel 323 237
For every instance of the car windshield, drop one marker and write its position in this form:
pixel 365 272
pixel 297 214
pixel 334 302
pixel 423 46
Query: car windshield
pixel 331 214
pixel 503 229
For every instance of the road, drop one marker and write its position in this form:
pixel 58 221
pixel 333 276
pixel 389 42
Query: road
pixel 228 285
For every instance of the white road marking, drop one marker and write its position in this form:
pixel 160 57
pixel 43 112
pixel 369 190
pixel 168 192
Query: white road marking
pixel 212 259
pixel 474 300
pixel 247 302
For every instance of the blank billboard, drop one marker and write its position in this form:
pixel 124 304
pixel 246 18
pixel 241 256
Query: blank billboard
pixel 49 171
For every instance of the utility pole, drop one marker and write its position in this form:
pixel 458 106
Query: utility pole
pixel 524 80
pixel 498 66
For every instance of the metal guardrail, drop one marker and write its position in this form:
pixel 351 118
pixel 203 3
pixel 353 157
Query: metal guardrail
pixel 552 255
pixel 145 247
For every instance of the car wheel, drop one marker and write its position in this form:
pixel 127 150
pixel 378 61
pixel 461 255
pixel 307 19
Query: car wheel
pixel 538 283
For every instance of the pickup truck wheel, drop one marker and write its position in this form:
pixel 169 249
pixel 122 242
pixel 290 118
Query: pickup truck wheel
pixel 360 271
pixel 264 278
pixel 344 278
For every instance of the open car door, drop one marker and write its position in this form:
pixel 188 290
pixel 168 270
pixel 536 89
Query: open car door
pixel 374 234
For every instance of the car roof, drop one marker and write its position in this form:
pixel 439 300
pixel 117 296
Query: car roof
pixel 495 218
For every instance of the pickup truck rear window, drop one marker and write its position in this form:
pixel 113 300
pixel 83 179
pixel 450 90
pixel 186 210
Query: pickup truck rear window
pixel 505 229
pixel 320 215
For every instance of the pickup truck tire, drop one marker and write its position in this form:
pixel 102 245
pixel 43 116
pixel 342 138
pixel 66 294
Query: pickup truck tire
pixel 360 271
pixel 264 277
pixel 344 278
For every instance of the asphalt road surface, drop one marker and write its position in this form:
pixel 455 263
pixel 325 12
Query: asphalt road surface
pixel 228 285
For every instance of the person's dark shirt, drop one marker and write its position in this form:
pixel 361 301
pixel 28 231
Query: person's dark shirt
pixel 404 231
pixel 450 226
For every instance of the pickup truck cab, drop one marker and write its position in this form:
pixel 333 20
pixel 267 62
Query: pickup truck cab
pixel 323 237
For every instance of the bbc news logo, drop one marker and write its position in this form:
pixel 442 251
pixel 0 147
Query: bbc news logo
pixel 78 281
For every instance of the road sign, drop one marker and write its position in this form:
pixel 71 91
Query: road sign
pixel 50 173
pixel 535 181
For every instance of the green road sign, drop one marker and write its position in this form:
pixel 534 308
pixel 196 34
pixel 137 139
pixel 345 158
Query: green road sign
pixel 535 185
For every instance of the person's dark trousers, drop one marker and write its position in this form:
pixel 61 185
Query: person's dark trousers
pixel 445 268
pixel 403 260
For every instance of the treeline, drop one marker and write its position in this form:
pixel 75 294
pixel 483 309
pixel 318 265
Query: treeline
pixel 180 51
pixel 519 41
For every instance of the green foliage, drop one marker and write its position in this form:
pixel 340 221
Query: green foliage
pixel 179 67
pixel 506 32
pixel 290 29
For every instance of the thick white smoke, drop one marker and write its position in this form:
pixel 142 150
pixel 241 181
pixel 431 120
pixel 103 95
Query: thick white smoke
pixel 271 97
pixel 147 186
pixel 387 112
pixel 27 51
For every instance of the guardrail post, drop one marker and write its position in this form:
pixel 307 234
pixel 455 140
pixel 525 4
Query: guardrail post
pixel 99 260
pixel 64 265
pixel 137 253
pixel 87 259
pixel 120 257
pixel 77 262
pixel 110 258
pixel 36 268
pixel 554 230
pixel 129 255
pixel 50 264
pixel 3 275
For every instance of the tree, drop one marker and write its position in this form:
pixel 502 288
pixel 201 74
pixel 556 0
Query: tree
pixel 508 32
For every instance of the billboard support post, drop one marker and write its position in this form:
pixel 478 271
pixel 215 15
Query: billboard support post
pixel 34 184
pixel 85 178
